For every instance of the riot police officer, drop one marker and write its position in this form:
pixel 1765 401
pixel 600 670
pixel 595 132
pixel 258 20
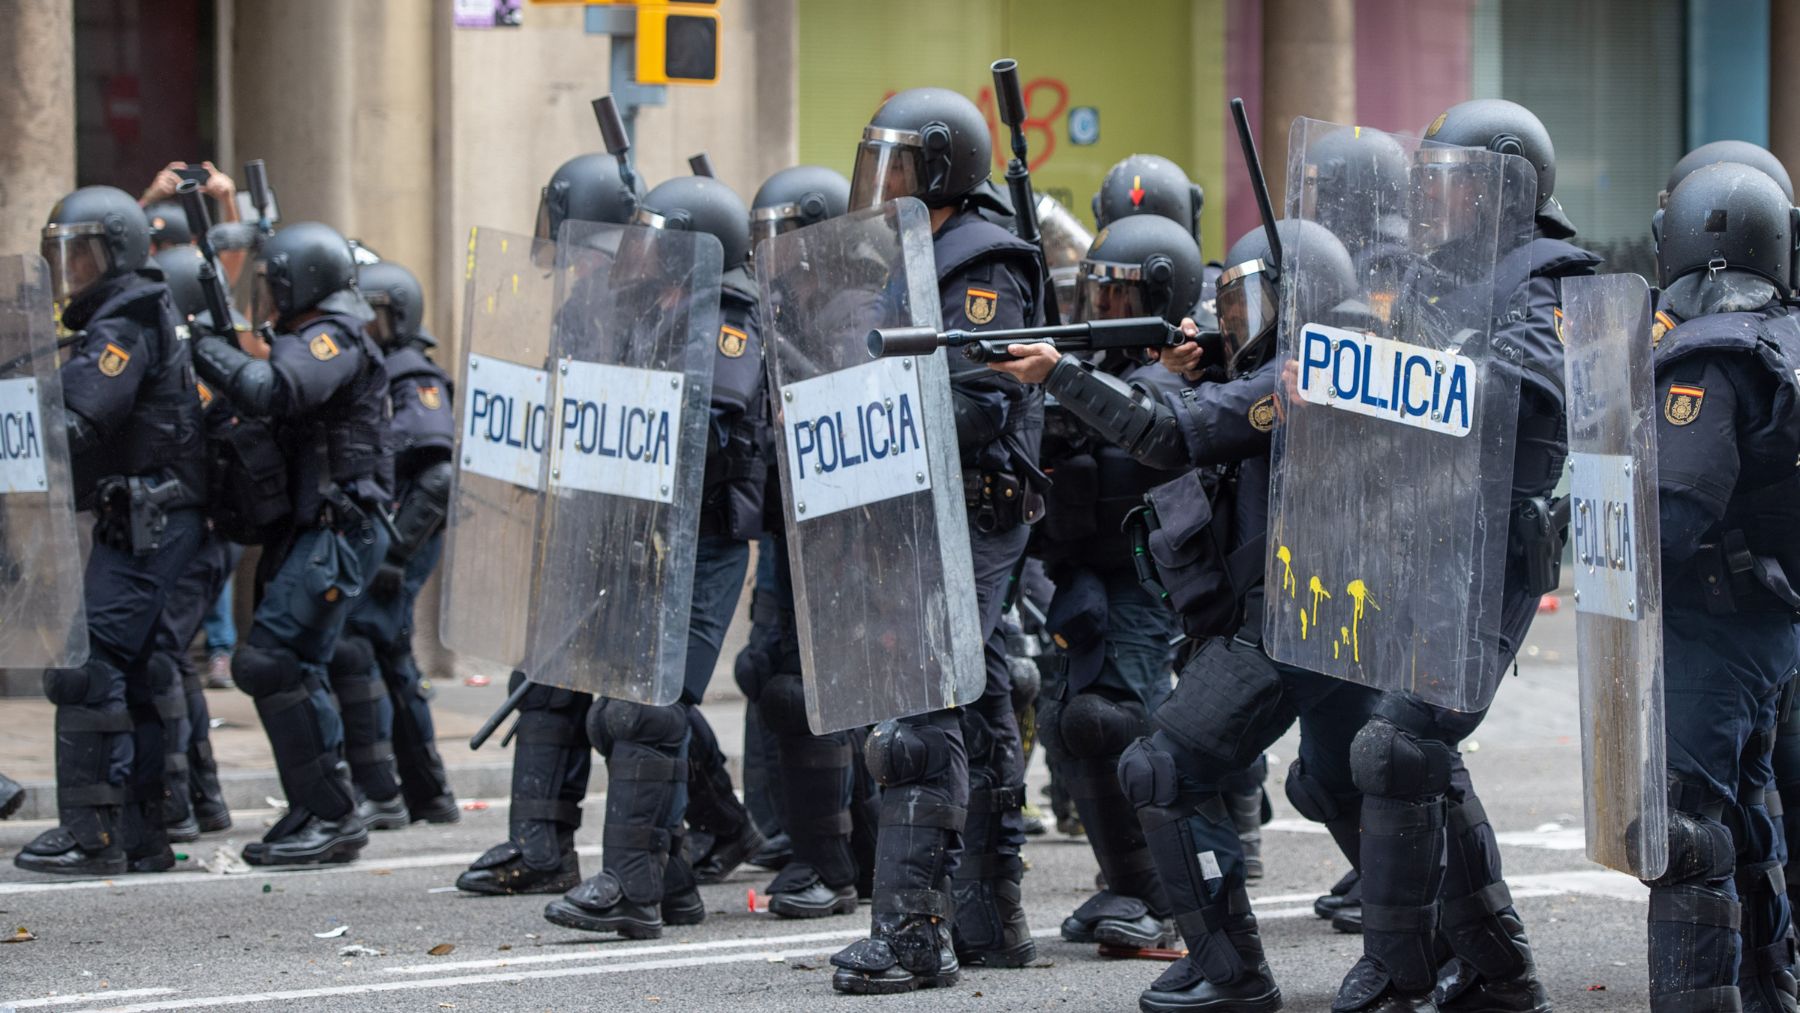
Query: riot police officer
pixel 1418 800
pixel 1114 634
pixel 134 436
pixel 195 802
pixel 1231 701
pixel 957 777
pixel 645 880
pixel 389 738
pixel 551 753
pixel 1149 185
pixel 1727 478
pixel 818 774
pixel 325 391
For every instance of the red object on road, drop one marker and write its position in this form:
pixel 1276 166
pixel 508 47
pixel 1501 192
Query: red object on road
pixel 1549 603
pixel 477 681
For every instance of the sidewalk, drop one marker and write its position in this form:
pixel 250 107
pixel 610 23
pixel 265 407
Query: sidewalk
pixel 247 771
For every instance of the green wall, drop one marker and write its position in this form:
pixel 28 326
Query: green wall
pixel 1153 68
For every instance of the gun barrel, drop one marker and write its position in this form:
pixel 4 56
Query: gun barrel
pixel 256 176
pixel 612 127
pixel 890 341
pixel 1007 93
pixel 199 222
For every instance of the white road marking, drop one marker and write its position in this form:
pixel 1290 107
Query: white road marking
pixel 1559 839
pixel 85 997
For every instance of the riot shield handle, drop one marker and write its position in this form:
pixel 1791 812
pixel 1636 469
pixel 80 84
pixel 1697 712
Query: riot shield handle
pixel 701 165
pixel 212 285
pixel 1258 184
pixel 1011 100
pixel 617 141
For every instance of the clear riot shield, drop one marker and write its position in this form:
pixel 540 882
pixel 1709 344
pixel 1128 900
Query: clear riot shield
pixel 503 421
pixel 633 346
pixel 43 621
pixel 1616 538
pixel 1391 473
pixel 877 536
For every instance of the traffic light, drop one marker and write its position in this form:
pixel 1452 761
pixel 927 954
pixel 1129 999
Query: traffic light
pixel 677 42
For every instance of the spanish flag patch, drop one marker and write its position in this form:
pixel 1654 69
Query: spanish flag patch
pixel 1682 406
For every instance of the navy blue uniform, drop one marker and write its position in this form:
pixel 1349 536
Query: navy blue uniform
pixel 645 747
pixel 1728 459
pixel 953 780
pixel 1469 902
pixel 389 737
pixel 134 417
pixel 326 393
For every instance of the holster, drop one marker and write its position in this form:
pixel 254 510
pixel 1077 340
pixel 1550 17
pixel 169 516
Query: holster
pixel 133 512
pixel 1000 500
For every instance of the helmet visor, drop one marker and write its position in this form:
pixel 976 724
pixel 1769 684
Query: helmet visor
pixel 1446 197
pixel 78 257
pixel 1246 312
pixel 1106 291
pixel 767 223
pixel 382 326
pixel 889 164
pixel 263 308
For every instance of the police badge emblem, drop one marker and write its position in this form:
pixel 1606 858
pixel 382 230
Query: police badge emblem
pixel 1682 406
pixel 1262 414
pixel 113 360
pixel 978 305
pixel 430 398
pixel 322 347
pixel 732 342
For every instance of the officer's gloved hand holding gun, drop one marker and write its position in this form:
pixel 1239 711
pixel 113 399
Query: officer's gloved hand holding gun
pixel 1128 334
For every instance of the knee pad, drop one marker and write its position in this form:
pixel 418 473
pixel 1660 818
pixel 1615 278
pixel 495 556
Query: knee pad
pixel 610 722
pixel 264 671
pixel 1700 850
pixel 1026 682
pixel 1389 762
pixel 900 753
pixel 1311 797
pixel 68 687
pixel 354 658
pixel 1147 775
pixel 752 668
pixel 1093 726
pixel 783 704
pixel 164 674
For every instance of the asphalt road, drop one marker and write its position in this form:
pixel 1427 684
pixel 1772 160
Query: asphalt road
pixel 198 940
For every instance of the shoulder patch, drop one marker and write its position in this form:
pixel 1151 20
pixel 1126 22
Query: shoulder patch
pixel 978 305
pixel 322 347
pixel 1661 324
pixel 113 360
pixel 431 398
pixel 732 341
pixel 205 392
pixel 1682 406
pixel 1262 414
pixel 1557 323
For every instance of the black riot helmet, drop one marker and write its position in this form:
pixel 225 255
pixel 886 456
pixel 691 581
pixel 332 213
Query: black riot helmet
pixel 1509 129
pixel 168 225
pixel 1249 292
pixel 1352 174
pixel 796 197
pixel 94 233
pixel 394 294
pixel 929 143
pixel 700 204
pixel 586 188
pixel 1727 217
pixel 181 272
pixel 301 267
pixel 1141 265
pixel 1152 185
pixel 1743 152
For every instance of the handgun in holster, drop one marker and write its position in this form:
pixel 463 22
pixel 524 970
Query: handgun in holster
pixel 1540 527
pixel 133 512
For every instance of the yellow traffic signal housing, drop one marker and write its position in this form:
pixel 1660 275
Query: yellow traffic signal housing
pixel 677 42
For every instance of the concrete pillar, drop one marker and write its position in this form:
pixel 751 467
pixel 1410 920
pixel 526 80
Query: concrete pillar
pixel 1309 69
pixel 37 116
pixel 1784 81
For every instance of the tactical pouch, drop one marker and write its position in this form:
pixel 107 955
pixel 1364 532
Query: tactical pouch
pixel 1181 550
pixel 1000 501
pixel 247 480
pixel 1222 703
pixel 1539 529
